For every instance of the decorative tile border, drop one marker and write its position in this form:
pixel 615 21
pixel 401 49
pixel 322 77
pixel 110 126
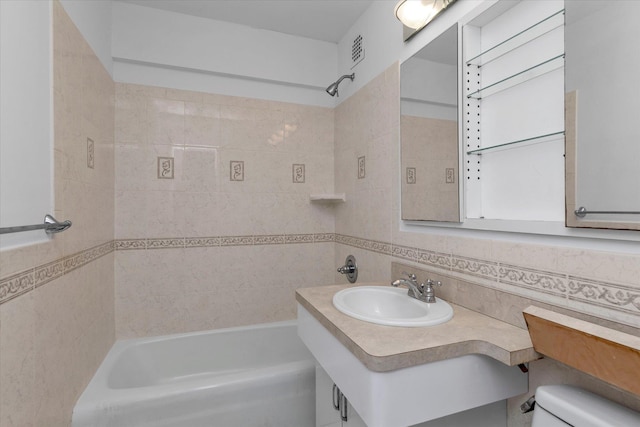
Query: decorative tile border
pixel 268 240
pixel 299 238
pixel 475 267
pixel 16 285
pixel 165 243
pixel 611 296
pixel 213 241
pixel 28 280
pixel 435 259
pixel 236 241
pixel 46 273
pixel 125 244
pixel 608 295
pixel 541 281
pixel 324 237
pixel 201 242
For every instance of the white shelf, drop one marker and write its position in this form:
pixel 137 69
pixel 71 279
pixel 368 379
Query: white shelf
pixel 533 32
pixel 521 77
pixel 520 143
pixel 328 198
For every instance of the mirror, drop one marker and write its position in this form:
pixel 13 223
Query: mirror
pixel 602 105
pixel 429 131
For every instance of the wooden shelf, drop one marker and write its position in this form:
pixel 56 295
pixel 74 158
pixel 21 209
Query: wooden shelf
pixel 605 353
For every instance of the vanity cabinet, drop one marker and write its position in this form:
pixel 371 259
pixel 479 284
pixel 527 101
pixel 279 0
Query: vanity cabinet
pixel 513 112
pixel 332 405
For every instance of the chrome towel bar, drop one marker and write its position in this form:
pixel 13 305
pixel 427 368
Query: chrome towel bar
pixel 581 212
pixel 50 226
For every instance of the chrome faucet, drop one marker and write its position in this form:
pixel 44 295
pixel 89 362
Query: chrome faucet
pixel 423 292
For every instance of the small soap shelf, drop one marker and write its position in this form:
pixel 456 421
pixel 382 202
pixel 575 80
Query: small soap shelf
pixel 523 76
pixel 519 143
pixel 605 353
pixel 523 37
pixel 328 198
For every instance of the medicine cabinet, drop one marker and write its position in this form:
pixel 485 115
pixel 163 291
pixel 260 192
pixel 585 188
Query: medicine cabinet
pixel 513 112
pixel 603 101
pixel 429 131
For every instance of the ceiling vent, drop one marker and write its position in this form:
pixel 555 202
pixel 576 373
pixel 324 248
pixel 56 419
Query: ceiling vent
pixel 357 51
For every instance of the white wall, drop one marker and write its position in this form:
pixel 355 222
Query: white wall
pixel 157 47
pixel 26 152
pixel 382 37
pixel 93 19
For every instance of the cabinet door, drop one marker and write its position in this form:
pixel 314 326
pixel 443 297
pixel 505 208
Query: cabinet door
pixel 326 414
pixel 353 419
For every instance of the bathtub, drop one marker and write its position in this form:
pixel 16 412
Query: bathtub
pixel 260 375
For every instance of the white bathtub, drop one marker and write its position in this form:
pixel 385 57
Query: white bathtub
pixel 260 375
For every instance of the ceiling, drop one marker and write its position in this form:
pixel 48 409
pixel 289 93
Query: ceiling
pixel 326 20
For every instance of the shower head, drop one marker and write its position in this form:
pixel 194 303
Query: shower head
pixel 333 87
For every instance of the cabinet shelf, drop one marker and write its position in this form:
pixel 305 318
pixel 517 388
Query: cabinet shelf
pixel 523 37
pixel 519 143
pixel 521 77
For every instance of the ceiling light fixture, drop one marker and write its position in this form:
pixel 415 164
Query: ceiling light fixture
pixel 418 13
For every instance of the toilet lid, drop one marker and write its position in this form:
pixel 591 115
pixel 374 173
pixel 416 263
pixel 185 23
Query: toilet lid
pixel 581 408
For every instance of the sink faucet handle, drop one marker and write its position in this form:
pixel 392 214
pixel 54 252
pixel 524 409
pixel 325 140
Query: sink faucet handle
pixel 432 283
pixel 411 276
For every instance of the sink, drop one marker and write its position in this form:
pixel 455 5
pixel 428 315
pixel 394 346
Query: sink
pixel 390 306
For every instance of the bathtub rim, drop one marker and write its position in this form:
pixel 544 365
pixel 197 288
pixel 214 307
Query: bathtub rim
pixel 97 394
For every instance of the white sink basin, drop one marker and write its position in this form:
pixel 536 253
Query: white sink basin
pixel 390 306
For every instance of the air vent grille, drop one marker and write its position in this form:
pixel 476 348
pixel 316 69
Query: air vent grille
pixel 357 51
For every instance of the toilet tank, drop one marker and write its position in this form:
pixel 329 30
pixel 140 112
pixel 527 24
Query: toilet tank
pixel 579 408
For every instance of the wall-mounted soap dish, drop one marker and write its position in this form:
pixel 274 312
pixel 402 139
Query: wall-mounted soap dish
pixel 328 198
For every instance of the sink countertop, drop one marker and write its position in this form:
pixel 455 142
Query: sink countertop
pixel 387 348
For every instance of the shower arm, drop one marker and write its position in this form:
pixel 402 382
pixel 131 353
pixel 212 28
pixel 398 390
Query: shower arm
pixel 333 87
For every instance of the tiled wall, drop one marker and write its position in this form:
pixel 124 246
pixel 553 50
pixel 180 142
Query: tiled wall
pixel 214 225
pixel 602 284
pixel 429 166
pixel 367 129
pixel 57 298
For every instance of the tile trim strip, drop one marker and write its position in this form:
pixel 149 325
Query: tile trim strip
pixel 612 296
pixel 608 295
pixel 26 281
pixel 246 240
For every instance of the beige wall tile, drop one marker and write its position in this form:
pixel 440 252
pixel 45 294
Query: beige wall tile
pixel 66 323
pixel 621 268
pixel 165 121
pixel 177 290
pixel 17 359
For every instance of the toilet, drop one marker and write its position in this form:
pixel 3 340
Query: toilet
pixel 564 405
